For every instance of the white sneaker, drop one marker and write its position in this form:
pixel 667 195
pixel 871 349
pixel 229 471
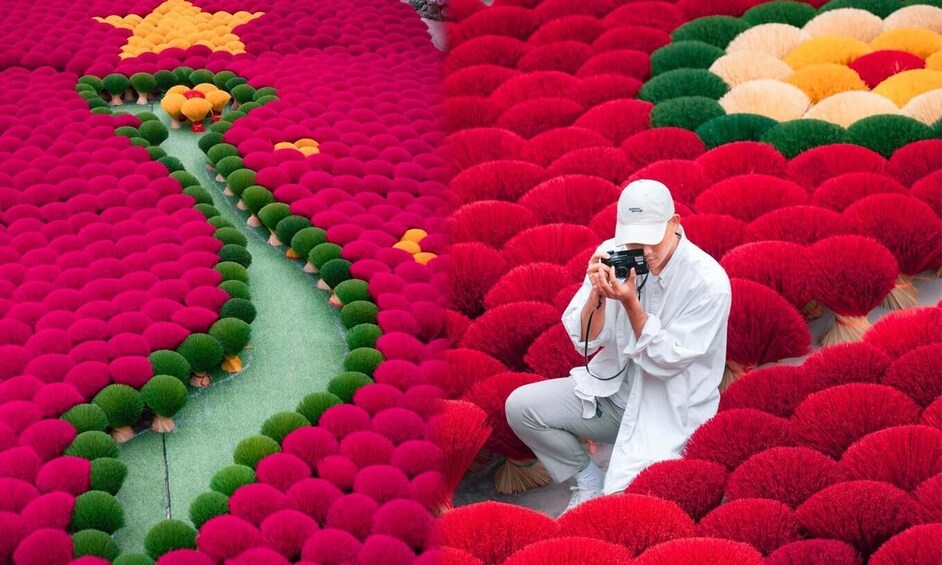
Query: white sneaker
pixel 580 495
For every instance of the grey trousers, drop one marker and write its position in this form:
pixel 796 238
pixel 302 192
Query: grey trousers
pixel 547 417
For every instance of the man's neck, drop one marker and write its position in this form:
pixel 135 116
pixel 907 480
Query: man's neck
pixel 667 259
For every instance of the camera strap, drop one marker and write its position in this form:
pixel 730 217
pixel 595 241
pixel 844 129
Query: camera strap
pixel 585 351
pixel 640 286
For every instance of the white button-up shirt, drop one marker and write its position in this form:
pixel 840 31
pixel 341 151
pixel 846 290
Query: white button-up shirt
pixel 674 367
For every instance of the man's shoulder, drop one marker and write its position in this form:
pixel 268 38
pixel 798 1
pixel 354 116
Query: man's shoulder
pixel 713 278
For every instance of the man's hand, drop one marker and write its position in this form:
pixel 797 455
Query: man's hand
pixel 596 269
pixel 605 284
pixel 610 287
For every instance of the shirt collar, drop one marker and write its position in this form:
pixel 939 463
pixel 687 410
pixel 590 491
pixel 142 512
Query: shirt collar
pixel 671 268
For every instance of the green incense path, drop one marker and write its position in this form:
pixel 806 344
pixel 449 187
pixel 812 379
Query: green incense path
pixel 297 344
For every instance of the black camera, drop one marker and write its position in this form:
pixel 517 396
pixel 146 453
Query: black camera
pixel 624 261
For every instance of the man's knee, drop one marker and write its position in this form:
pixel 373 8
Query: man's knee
pixel 514 407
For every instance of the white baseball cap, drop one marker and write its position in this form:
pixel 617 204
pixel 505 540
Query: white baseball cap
pixel 644 208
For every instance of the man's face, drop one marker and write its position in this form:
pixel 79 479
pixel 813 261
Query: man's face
pixel 656 254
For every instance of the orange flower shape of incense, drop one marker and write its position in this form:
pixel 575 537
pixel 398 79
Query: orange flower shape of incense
pixel 178 23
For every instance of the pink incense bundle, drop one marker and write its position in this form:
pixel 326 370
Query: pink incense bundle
pixel 733 436
pixel 527 86
pixel 817 165
pixel 929 495
pixel 519 472
pixel 603 224
pixel 618 119
pixel 598 89
pixel 477 80
pixel 904 456
pixel 862 513
pixel 915 160
pixel 564 296
pixel 573 199
pixel 552 144
pixel 20 463
pixel 510 21
pixel 570 550
pixel 547 12
pixel 626 62
pixel 828 551
pixel 552 354
pixel 657 15
pixel 634 521
pixel 853 275
pixel 607 163
pixel 799 224
pixel 515 327
pixel 700 551
pixel 764 524
pixel 534 281
pixel 550 243
pixel 226 536
pixel 715 233
pixel 467 367
pixel 533 117
pixel 460 10
pixel 658 144
pixel 460 431
pixel 776 390
pixel 929 190
pixel 833 419
pixel 471 147
pixel 839 192
pixel 475 268
pixel 456 324
pixel 487 50
pixel 909 228
pixel 448 555
pixel 878 66
pixel 763 328
pixel 465 112
pixel 491 222
pixel 749 196
pixel 696 486
pixel 919 544
pixel 490 394
pixel 493 531
pixel 903 331
pixel 779 265
pixel 686 179
pixel 562 20
pixel 564 56
pixel 632 36
pixel 843 363
pixel 494 180
pixel 742 158
pixel 913 373
pixel 789 475
pixel 46 544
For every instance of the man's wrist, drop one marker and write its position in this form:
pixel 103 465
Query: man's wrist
pixel 595 298
pixel 632 304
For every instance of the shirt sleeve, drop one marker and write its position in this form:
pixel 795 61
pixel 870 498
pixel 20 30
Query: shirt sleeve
pixel 572 320
pixel 667 352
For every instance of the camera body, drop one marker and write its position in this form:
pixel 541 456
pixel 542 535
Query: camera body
pixel 624 261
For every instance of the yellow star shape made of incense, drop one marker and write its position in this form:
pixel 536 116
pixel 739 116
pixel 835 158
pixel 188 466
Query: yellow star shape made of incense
pixel 178 23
